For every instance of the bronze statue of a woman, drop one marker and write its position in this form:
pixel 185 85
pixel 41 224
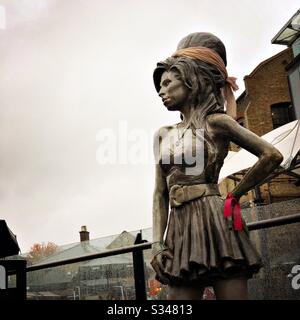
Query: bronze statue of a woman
pixel 206 242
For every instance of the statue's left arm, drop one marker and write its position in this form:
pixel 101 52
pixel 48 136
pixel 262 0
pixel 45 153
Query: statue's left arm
pixel 269 158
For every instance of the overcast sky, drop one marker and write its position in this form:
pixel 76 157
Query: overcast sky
pixel 72 68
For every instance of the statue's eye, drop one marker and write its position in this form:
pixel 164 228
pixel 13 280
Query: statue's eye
pixel 166 82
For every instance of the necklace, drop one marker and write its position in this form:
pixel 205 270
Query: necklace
pixel 179 137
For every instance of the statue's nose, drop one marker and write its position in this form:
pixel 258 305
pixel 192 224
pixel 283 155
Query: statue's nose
pixel 161 93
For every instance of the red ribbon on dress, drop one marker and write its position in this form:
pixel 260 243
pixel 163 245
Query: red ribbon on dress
pixel 237 217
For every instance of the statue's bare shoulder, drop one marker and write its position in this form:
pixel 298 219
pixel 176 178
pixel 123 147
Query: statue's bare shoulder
pixel 221 123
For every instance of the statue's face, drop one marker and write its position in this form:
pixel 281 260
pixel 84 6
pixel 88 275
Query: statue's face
pixel 173 91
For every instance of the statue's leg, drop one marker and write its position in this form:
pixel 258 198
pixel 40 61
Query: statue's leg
pixel 231 289
pixel 185 292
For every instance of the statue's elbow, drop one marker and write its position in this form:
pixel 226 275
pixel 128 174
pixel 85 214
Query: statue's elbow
pixel 276 157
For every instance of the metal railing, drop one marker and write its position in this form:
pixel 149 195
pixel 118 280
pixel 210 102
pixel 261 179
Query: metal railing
pixel 140 245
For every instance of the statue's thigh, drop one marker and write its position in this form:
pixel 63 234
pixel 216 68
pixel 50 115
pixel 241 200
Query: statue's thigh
pixel 185 292
pixel 231 289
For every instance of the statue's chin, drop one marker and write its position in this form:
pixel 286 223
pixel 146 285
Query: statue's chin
pixel 172 108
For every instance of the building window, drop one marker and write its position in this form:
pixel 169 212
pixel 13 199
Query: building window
pixel 282 113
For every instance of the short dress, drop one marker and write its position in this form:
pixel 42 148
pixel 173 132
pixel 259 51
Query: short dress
pixel 204 245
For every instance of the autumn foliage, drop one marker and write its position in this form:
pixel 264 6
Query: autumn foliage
pixel 40 251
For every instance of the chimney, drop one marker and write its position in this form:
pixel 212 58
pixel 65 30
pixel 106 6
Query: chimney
pixel 84 234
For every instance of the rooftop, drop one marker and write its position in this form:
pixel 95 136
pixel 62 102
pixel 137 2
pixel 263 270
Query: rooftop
pixel 289 32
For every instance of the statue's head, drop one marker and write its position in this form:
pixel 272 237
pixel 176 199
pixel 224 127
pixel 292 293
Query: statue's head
pixel 204 39
pixel 201 79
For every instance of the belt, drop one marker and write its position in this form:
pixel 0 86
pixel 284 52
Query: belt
pixel 179 194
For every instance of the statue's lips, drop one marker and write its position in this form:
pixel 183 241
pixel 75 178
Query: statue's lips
pixel 165 100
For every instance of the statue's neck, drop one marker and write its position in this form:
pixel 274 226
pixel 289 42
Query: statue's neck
pixel 186 113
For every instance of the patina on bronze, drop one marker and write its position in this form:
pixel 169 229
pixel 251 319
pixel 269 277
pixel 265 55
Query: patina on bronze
pixel 201 248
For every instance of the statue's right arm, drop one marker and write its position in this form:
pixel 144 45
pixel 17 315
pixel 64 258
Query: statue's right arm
pixel 160 211
pixel 160 207
pixel 160 219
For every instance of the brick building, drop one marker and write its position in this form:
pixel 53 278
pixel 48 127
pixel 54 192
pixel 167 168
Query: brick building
pixel 263 106
pixel 266 102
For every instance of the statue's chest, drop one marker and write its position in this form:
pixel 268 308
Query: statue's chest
pixel 179 148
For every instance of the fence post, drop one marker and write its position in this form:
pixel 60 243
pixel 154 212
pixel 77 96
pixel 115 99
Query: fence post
pixel 139 270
